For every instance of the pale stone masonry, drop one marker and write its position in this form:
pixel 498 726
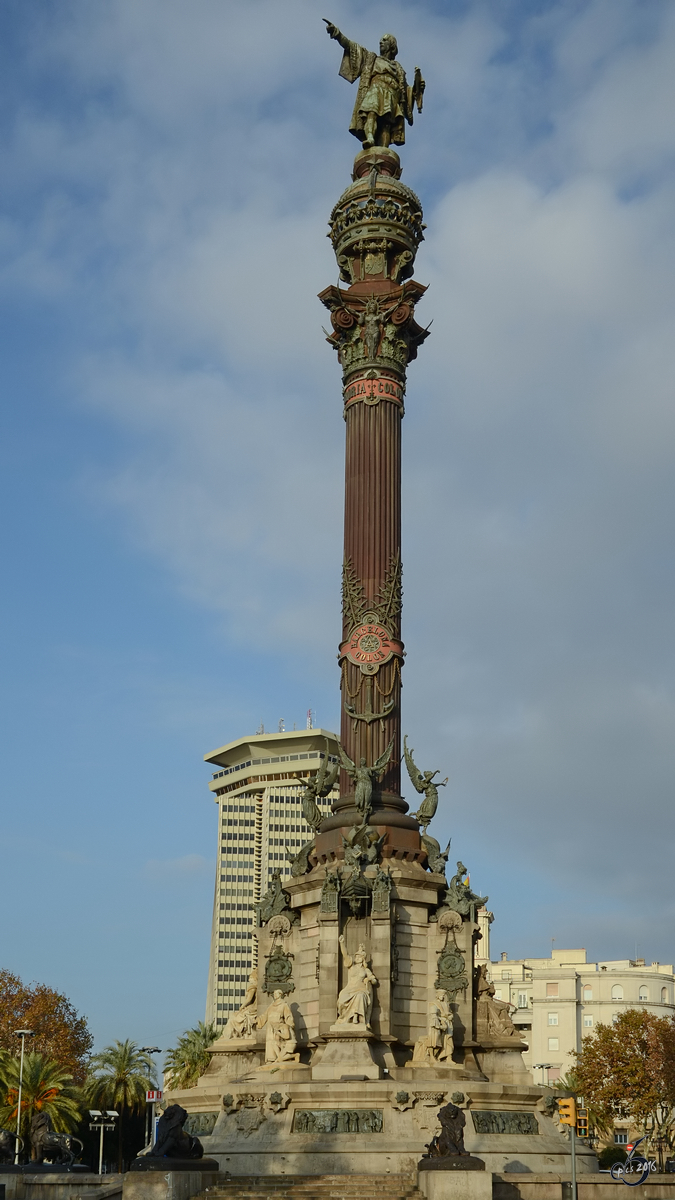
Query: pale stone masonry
pixel 560 1000
pixel 257 787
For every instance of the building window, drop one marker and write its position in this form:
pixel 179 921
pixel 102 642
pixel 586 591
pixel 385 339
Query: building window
pixel 664 995
pixel 643 993
pixel 617 992
pixel 506 974
pixel 588 992
pixel 553 1044
pixel 551 989
pixel 588 1021
pixel 553 1074
pixel 522 999
pixel 620 1137
pixel 553 1018
pixel 498 993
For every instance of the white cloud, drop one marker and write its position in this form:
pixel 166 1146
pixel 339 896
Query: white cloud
pixel 172 871
pixel 181 213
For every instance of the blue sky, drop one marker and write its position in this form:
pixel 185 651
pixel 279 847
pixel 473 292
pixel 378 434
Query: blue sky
pixel 172 446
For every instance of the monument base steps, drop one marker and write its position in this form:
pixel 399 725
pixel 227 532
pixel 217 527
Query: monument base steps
pixel 314 1187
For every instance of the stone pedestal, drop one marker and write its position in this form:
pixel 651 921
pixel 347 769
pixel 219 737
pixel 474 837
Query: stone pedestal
pixel 450 1183
pixel 168 1184
pixel 346 1055
pixel 233 1058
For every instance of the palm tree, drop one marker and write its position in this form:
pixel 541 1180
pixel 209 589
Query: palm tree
pixel 120 1076
pixel 190 1057
pixel 45 1087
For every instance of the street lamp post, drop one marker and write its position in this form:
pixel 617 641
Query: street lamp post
pixel 150 1103
pixel 544 1067
pixel 102 1121
pixel 23 1034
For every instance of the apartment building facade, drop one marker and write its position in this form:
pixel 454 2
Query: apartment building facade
pixel 560 1000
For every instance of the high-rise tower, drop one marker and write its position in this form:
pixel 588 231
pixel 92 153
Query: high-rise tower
pixel 257 786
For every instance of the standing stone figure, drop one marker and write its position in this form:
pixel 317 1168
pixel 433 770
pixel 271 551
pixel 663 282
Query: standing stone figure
pixel 384 101
pixel 363 776
pixel 280 1040
pixel 242 1023
pixel 438 1045
pixel 355 1002
pixel 423 782
pixel 319 785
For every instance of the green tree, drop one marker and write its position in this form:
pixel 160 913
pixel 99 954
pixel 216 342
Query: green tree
pixel 120 1076
pixel 627 1070
pixel 60 1033
pixel 45 1087
pixel 190 1057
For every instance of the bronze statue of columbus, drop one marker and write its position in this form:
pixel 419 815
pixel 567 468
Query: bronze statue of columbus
pixel 384 101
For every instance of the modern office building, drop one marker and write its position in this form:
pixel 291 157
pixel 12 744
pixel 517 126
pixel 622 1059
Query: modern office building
pixel 257 784
pixel 560 1000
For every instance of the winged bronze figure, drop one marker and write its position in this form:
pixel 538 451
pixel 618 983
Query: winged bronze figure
pixel 422 782
pixel 320 785
pixel 364 777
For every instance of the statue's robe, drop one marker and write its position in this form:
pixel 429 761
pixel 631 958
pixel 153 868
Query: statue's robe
pixel 382 89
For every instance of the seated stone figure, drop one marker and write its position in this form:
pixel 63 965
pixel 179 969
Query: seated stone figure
pixel 242 1023
pixel 172 1141
pixel 355 1001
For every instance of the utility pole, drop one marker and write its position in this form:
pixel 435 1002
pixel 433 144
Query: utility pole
pixel 567 1109
pixel 23 1034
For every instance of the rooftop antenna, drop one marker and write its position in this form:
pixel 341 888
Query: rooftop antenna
pixel 282 725
pixel 261 728
pixel 310 723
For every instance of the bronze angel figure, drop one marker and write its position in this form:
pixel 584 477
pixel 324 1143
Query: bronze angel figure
pixel 363 777
pixel 320 785
pixel 423 783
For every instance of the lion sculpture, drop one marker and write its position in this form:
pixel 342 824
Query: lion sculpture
pixel 49 1146
pixel 172 1141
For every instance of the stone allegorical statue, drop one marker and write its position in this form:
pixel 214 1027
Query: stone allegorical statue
pixel 355 1001
pixel 384 101
pixel 459 896
pixel 242 1023
pixel 363 778
pixel 280 1041
pixel 274 902
pixel 320 785
pixel 438 1045
pixel 422 782
pixel 493 1017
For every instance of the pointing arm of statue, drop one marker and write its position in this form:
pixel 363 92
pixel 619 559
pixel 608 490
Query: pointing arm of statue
pixel 335 34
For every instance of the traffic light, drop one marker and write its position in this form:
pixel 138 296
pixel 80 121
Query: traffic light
pixel 568 1111
pixel 582 1122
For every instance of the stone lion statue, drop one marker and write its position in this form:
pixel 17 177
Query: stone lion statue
pixel 49 1146
pixel 8 1142
pixel 172 1141
pixel 451 1138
